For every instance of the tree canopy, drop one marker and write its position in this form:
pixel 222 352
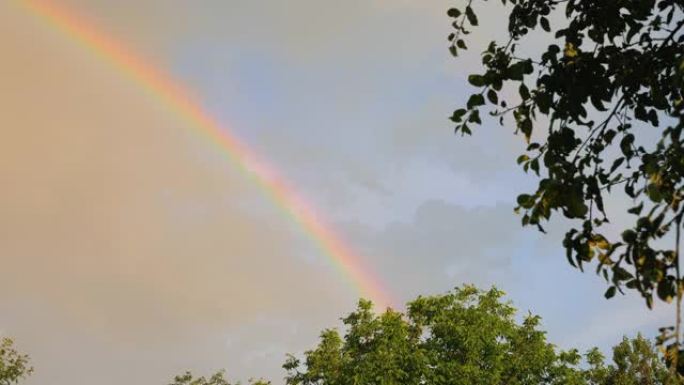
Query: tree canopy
pixel 14 366
pixel 635 362
pixel 467 336
pixel 217 378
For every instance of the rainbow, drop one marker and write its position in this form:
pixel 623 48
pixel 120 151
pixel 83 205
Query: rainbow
pixel 175 95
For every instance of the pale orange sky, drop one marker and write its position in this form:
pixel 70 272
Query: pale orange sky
pixel 111 225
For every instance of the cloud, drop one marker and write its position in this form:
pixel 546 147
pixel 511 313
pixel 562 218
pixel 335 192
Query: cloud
pixel 443 246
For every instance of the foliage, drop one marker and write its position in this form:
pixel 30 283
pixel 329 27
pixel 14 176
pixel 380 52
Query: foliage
pixel 467 336
pixel 13 365
pixel 584 105
pixel 215 379
pixel 635 362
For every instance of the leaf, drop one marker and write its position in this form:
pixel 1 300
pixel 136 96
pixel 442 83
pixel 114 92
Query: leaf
pixel 600 242
pixel 458 115
pixel 525 126
pixel 516 71
pixel 453 50
pixel 610 293
pixel 569 51
pixel 472 18
pixel 597 103
pixel 653 117
pixel 525 201
pixel 545 24
pixel 626 144
pixel 616 164
pixel 454 12
pixel 576 207
pixel 492 96
pixel 534 165
pixel 666 290
pixel 476 80
pixel 636 210
pixel 653 192
pixel 621 274
pixel 629 236
pixel 524 92
pixel 475 100
pixel 475 117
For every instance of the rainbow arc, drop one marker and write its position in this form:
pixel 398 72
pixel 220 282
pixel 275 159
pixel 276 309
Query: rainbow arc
pixel 174 94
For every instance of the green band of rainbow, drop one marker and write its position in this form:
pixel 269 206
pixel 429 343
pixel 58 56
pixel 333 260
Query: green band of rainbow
pixel 171 92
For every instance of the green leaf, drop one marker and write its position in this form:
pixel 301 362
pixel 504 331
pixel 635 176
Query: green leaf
pixel 576 207
pixel 621 274
pixel 525 201
pixel 545 24
pixel 653 192
pixel 640 113
pixel 492 96
pixel 610 293
pixel 454 12
pixel 653 117
pixel 524 92
pixel 626 144
pixel 629 236
pixel 475 117
pixel 666 290
pixel 453 50
pixel 597 103
pixel 534 165
pixel 636 210
pixel 525 126
pixel 516 71
pixel 472 18
pixel 476 80
pixel 475 100
pixel 458 115
pixel 616 164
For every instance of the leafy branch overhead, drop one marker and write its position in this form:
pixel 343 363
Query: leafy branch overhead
pixel 600 109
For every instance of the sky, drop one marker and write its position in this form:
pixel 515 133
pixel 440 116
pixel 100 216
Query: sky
pixel 133 249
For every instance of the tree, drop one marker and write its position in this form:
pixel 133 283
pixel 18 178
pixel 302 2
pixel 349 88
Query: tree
pixel 467 336
pixel 188 379
pixel 216 379
pixel 584 105
pixel 635 362
pixel 14 366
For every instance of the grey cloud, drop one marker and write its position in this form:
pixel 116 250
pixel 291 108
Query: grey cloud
pixel 444 245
